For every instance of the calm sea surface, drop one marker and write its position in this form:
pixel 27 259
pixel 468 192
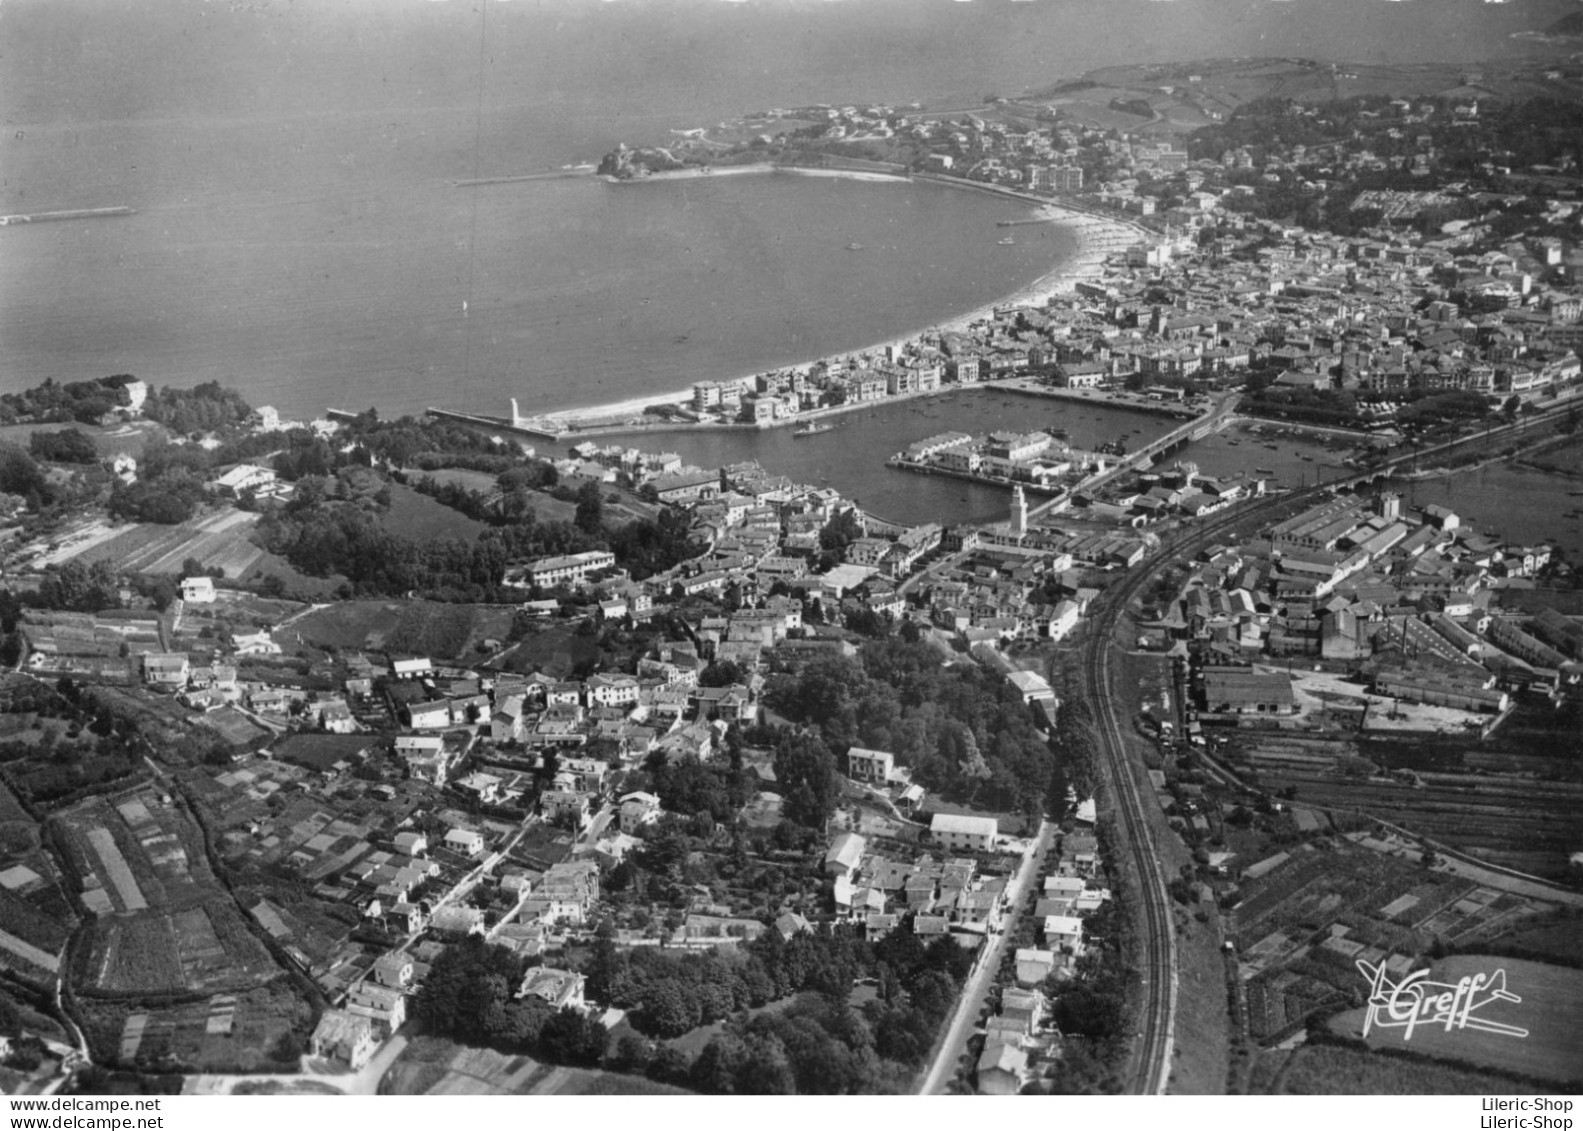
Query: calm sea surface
pixel 298 234
pixel 1511 502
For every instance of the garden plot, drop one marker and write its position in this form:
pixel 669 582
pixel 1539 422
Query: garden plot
pixel 219 539
pixel 164 924
pixel 78 541
pixel 16 948
pixel 116 869
pixel 240 1032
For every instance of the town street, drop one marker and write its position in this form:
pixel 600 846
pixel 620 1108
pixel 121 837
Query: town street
pixel 964 1022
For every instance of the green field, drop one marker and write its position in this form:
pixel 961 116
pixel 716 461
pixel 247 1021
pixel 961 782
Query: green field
pixel 480 481
pixel 129 438
pixel 1551 1010
pixel 1333 1070
pixel 1559 937
pixel 555 651
pixel 417 516
pixel 426 628
pixel 10 808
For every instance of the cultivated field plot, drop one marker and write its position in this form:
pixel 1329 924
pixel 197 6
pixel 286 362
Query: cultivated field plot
pixel 1550 1010
pixel 219 539
pixel 239 1032
pixel 163 922
pixel 75 540
pixel 1379 900
pixel 31 942
pixel 239 731
pixel 307 929
pixel 19 833
pixel 1301 927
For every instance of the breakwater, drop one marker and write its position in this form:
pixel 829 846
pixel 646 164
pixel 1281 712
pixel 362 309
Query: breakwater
pixel 520 178
pixel 66 214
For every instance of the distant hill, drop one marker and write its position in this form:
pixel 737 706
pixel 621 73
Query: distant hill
pixel 1567 25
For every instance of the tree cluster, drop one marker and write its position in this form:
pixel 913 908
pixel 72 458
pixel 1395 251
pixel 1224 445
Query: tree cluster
pixel 78 588
pixel 209 407
pixel 470 996
pixel 819 1044
pixel 965 732
pixel 53 403
pixel 171 498
pixel 69 445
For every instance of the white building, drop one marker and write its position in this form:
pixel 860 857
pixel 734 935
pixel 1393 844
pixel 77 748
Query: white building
pixel 876 766
pixel 953 830
pixel 197 590
pixel 469 842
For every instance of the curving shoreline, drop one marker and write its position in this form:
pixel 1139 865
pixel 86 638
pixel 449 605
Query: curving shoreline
pixel 1097 237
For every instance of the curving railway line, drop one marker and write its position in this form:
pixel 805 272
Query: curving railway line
pixel 1150 1069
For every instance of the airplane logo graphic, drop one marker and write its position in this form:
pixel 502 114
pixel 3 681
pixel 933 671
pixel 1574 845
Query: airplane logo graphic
pixel 1415 1001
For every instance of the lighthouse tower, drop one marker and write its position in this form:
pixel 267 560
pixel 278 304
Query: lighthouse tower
pixel 1019 511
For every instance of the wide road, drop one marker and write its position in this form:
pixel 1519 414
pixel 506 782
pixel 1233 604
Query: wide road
pixel 964 1021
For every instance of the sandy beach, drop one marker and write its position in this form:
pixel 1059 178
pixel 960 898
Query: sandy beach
pixel 1098 238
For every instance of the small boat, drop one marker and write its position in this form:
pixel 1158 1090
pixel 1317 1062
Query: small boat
pixel 1007 242
pixel 1265 470
pixel 854 247
pixel 813 429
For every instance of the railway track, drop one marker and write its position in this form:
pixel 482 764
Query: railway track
pixel 1150 1069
